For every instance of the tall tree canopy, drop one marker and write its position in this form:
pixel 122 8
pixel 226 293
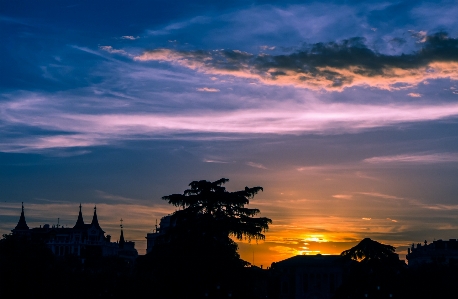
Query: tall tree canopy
pixel 370 250
pixel 198 249
pixel 377 273
pixel 208 208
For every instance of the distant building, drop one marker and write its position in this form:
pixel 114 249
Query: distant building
pixel 439 252
pixel 127 249
pixel 310 276
pixel 82 240
pixel 151 237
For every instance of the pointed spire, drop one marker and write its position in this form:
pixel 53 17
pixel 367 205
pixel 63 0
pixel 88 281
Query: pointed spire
pixel 95 222
pixel 121 238
pixel 80 221
pixel 22 224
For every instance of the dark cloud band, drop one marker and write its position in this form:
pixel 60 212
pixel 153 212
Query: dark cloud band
pixel 329 66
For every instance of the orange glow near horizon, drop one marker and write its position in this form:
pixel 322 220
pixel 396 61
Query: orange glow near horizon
pixel 329 214
pixel 268 251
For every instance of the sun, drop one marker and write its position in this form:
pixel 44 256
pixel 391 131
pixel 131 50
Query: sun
pixel 314 238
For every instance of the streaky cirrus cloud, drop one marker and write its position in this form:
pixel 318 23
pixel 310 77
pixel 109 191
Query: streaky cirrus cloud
pixel 73 129
pixel 215 161
pixel 256 165
pixel 267 48
pixel 442 207
pixel 208 89
pixel 379 195
pixel 130 37
pixel 112 50
pixel 421 158
pixel 326 66
pixel 343 196
pixel 38 143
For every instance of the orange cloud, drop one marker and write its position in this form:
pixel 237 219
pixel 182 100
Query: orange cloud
pixel 343 196
pixel 333 66
pixel 414 95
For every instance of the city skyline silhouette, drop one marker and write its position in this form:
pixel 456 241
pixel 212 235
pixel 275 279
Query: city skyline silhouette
pixel 344 112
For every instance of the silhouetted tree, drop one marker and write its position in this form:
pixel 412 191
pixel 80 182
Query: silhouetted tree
pixel 369 250
pixel 198 250
pixel 209 209
pixel 377 273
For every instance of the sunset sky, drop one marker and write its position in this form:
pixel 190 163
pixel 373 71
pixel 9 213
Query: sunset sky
pixel 345 112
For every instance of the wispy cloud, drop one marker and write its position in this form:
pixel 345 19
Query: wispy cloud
pixel 208 89
pixel 130 37
pixel 179 25
pixel 414 95
pixel 380 195
pixel 441 207
pixel 214 161
pixel 421 36
pixel 415 158
pixel 256 165
pixel 343 196
pixel 117 198
pixel 85 129
pixel 332 66
pixel 37 143
pixel 112 50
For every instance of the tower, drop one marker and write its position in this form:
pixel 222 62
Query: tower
pixel 95 221
pixel 121 238
pixel 21 227
pixel 80 222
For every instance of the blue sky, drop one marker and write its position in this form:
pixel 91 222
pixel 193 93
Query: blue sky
pixel 344 111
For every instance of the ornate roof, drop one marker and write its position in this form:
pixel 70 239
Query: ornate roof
pixel 121 240
pixel 80 222
pixel 95 221
pixel 22 224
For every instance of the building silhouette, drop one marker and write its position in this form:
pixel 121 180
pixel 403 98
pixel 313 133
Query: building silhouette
pixel 310 276
pixel 437 252
pixel 151 237
pixel 82 240
pixel 126 249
